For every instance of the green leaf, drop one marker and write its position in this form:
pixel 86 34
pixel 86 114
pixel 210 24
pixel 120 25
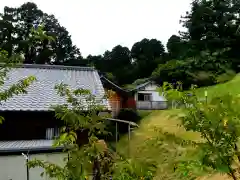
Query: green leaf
pixel 223 168
pixel 1 119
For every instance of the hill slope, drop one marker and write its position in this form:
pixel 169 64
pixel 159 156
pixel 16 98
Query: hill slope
pixel 150 146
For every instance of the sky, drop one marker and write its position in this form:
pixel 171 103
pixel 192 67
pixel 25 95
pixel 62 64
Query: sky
pixel 98 25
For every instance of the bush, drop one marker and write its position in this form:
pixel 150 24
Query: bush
pixel 129 115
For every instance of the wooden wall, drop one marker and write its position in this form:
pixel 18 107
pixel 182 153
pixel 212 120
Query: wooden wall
pixel 115 101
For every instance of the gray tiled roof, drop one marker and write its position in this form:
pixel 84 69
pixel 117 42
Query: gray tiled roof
pixel 41 94
pixel 30 145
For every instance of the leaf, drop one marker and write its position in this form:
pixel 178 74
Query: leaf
pixel 223 168
pixel 63 136
pixel 1 119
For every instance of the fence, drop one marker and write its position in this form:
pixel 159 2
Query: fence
pixel 152 105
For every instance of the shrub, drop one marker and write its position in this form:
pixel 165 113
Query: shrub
pixel 129 115
pixel 218 123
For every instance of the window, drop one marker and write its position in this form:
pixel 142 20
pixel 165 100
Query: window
pixel 144 96
pixel 52 133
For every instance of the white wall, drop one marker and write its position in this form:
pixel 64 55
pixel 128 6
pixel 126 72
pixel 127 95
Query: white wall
pixel 13 167
pixel 151 88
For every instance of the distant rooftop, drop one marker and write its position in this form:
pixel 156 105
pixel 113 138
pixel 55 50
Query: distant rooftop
pixel 41 94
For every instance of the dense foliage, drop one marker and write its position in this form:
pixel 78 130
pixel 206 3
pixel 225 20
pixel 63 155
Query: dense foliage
pixel 207 53
pixel 9 61
pixel 91 158
pixel 217 121
pixel 15 30
pixel 207 48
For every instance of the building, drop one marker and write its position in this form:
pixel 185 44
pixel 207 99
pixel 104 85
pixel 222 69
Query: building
pixel 118 97
pixel 30 126
pixel 147 97
pixel 142 97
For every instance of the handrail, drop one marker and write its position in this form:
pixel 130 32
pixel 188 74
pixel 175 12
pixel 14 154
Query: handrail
pixel 123 121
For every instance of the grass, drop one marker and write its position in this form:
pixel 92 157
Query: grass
pixel 150 146
pixel 221 89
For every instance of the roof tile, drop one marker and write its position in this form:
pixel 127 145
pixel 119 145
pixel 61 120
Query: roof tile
pixel 41 94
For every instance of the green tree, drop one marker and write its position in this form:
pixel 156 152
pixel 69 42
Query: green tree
pixel 212 25
pixel 97 61
pixel 145 55
pixel 217 120
pixel 93 157
pixel 15 89
pixel 15 30
pixel 86 158
pixel 118 60
pixel 8 61
pixel 176 47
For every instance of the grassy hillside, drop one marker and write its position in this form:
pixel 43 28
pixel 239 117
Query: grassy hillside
pixel 157 142
pixel 221 89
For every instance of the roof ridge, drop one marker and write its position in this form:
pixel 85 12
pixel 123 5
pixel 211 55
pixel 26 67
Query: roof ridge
pixel 47 66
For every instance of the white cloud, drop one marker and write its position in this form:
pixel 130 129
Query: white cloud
pixel 99 25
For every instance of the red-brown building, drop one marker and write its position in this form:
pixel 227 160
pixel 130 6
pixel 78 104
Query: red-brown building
pixel 144 96
pixel 118 97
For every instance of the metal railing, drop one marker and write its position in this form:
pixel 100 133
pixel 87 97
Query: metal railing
pixel 130 123
pixel 154 105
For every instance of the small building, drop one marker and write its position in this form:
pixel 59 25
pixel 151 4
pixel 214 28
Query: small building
pixel 142 97
pixel 118 97
pixel 147 97
pixel 30 126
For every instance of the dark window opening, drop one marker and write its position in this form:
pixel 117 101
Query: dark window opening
pixel 144 96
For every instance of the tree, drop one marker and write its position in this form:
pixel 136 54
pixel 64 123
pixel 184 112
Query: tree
pixel 145 54
pixel 97 61
pixel 15 89
pixel 212 25
pixel 9 61
pixel 15 28
pixel 172 72
pixel 118 60
pixel 87 156
pixel 92 158
pixel 217 121
pixel 176 47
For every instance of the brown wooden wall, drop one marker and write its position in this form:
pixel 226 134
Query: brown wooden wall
pixel 115 101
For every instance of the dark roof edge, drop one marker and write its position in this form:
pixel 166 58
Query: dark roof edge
pixel 141 85
pixel 46 66
pixel 118 87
